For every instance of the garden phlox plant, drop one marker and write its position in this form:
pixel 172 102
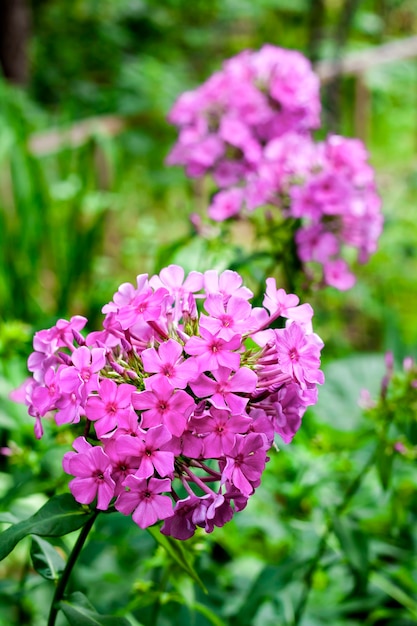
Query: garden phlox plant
pixel 249 127
pixel 179 395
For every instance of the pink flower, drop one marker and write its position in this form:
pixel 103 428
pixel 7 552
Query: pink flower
pixel 92 470
pixel 212 352
pixel 162 404
pixel 143 500
pixel 227 319
pixel 147 450
pixel 168 363
pixel 224 391
pixel 219 428
pixel 81 378
pixel 226 204
pixel 337 274
pixel 112 403
pixel 228 283
pixel 298 355
pixel 245 462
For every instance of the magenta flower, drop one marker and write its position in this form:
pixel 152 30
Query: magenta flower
pixel 298 355
pixel 112 403
pixel 82 377
pixel 146 306
pixel 180 525
pixel 228 284
pixel 172 279
pixel 143 500
pixel 245 462
pixel 168 363
pixel 224 391
pixel 212 352
pixel 147 450
pixel 70 408
pixel 92 470
pixel 162 404
pixel 227 319
pixel 220 428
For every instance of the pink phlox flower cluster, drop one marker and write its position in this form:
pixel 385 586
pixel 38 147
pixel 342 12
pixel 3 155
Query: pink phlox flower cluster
pixel 255 97
pixel 249 127
pixel 180 396
pixel 327 187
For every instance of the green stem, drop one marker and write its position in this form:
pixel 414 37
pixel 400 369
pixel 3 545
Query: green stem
pixel 62 583
pixel 349 493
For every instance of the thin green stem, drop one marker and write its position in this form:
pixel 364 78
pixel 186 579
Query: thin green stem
pixel 62 583
pixel 315 561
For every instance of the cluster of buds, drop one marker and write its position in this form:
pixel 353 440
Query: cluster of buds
pixel 249 127
pixel 181 394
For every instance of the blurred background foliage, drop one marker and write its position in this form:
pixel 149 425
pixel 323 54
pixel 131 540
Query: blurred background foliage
pixel 81 214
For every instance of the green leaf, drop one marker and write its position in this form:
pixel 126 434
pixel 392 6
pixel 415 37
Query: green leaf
pixel 46 560
pixel 384 462
pixel 338 404
pixel 208 614
pixel 354 544
pixel 80 612
pixel 177 552
pixel 269 583
pixel 59 516
pixel 393 590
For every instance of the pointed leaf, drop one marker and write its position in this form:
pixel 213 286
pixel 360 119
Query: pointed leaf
pixel 393 590
pixel 80 612
pixel 354 544
pixel 177 552
pixel 208 614
pixel 59 516
pixel 384 462
pixel 271 580
pixel 46 560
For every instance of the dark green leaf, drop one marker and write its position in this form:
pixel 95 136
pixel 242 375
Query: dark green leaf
pixel 79 612
pixel 384 461
pixel 59 516
pixel 177 552
pixel 354 544
pixel 270 582
pixel 394 591
pixel 46 560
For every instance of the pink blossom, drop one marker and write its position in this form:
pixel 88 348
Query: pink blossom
pixel 92 470
pixel 147 449
pixel 212 352
pixel 224 392
pixel 168 363
pixel 245 462
pixel 143 500
pixel 162 404
pixel 112 403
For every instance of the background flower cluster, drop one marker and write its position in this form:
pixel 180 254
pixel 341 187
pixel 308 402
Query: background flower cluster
pixel 249 126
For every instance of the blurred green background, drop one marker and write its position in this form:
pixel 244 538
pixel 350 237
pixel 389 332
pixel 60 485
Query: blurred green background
pixel 86 203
